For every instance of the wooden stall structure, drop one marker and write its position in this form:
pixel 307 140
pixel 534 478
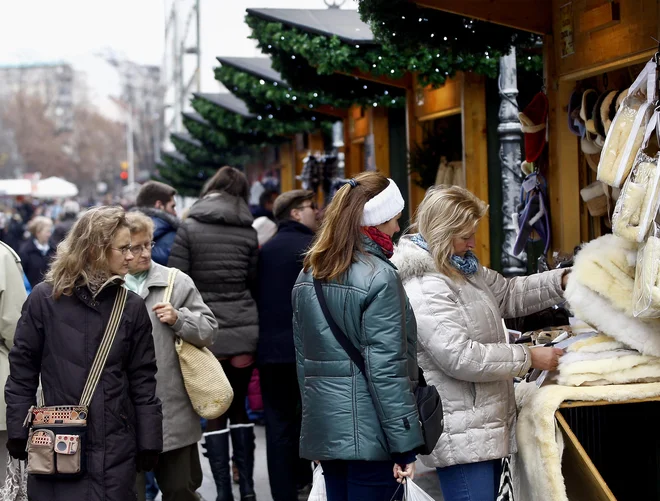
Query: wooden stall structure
pixel 463 96
pixel 583 39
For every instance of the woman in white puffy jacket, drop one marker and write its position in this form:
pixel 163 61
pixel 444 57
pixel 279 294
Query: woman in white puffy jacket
pixel 463 349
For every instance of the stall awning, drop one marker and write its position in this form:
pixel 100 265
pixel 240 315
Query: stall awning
pixel 188 139
pixel 260 67
pixel 227 101
pixel 345 24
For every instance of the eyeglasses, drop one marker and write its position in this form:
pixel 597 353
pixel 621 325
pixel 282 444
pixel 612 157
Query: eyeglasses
pixel 124 250
pixel 139 249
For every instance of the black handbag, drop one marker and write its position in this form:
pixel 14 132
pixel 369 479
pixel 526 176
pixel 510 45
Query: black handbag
pixel 429 405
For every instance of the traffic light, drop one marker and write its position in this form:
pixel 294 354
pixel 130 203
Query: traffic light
pixel 124 171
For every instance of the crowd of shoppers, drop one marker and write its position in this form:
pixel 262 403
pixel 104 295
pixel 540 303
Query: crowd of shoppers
pixel 261 291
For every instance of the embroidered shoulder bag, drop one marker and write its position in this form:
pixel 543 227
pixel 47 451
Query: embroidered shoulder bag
pixel 58 434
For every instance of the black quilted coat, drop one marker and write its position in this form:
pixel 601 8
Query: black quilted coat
pixel 59 339
pixel 217 247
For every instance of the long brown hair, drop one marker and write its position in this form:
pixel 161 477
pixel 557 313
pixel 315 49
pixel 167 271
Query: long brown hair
pixel 340 236
pixel 82 256
pixel 229 180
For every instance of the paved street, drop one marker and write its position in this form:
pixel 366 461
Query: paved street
pixel 425 478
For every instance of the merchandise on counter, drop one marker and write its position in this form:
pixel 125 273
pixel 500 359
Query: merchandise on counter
pixel 627 131
pixel 575 123
pixel 537 467
pixel 646 293
pixel 600 291
pixel 639 201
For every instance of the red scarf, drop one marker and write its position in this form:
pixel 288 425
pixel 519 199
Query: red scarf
pixel 383 240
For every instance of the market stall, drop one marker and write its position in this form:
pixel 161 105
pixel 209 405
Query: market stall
pixel 587 432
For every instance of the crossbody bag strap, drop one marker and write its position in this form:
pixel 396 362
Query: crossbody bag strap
pixel 341 338
pixel 171 277
pixel 104 349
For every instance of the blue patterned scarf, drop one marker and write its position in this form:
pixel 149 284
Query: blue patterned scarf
pixel 467 265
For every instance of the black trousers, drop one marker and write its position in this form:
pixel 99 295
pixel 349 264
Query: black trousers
pixel 236 414
pixel 283 415
pixel 179 475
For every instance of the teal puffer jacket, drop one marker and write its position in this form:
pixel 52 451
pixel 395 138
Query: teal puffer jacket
pixel 343 417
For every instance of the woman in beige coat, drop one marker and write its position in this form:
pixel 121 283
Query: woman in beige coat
pixel 178 472
pixel 463 349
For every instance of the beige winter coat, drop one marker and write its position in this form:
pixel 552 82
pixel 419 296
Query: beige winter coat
pixel 463 350
pixel 12 297
pixel 196 325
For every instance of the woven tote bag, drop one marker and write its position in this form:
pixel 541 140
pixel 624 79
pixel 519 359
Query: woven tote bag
pixel 206 383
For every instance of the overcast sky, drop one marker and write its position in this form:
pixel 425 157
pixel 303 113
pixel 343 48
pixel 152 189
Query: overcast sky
pixel 75 30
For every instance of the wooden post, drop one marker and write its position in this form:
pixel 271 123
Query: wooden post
pixel 563 174
pixel 381 132
pixel 475 152
pixel 288 171
pixel 415 192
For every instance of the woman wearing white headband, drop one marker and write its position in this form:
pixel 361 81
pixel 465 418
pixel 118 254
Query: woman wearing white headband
pixel 363 433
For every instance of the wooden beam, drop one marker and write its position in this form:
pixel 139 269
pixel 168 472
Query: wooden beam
pixel 330 111
pixel 563 174
pixel 475 152
pixel 526 15
pixel 402 83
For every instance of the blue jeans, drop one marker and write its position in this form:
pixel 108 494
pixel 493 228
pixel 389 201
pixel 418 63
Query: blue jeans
pixel 360 481
pixel 471 482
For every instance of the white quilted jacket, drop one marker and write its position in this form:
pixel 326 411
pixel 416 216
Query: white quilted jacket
pixel 463 351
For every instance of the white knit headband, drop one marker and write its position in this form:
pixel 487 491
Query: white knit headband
pixel 384 206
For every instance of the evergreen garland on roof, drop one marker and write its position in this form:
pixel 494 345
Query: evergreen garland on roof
pixel 433 62
pixel 407 27
pixel 258 92
pixel 264 128
pixel 187 178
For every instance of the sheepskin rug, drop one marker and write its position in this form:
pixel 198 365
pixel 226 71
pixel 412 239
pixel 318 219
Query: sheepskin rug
pixel 536 468
pixel 600 292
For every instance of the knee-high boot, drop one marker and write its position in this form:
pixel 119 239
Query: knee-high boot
pixel 242 442
pixel 217 451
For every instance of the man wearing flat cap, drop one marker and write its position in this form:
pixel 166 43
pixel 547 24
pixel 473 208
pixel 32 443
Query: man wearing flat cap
pixel 280 262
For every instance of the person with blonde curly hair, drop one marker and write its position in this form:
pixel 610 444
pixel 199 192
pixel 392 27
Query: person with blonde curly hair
pixel 463 348
pixel 56 340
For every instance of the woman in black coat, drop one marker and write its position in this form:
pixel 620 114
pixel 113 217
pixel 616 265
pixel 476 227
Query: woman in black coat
pixel 36 253
pixel 217 247
pixel 57 338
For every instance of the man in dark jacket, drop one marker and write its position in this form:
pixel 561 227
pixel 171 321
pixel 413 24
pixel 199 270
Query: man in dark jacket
pixel 156 200
pixel 280 262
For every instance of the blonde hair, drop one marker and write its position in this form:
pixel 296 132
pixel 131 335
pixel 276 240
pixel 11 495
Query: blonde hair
pixel 37 224
pixel 139 223
pixel 82 255
pixel 448 212
pixel 340 237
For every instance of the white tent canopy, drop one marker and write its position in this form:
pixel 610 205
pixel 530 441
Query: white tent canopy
pixel 15 187
pixel 55 187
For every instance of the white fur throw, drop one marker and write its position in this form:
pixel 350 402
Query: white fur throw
pixel 536 467
pixel 600 292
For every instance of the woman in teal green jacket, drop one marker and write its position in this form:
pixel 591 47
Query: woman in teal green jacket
pixel 363 428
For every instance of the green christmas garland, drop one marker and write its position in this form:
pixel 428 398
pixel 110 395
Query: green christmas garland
pixel 404 26
pixel 264 128
pixel 433 62
pixel 204 132
pixel 259 92
pixel 187 178
pixel 196 153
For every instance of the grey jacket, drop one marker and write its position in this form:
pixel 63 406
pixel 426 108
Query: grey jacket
pixel 196 325
pixel 463 350
pixel 12 296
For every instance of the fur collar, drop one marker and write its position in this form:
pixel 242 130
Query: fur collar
pixel 411 260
